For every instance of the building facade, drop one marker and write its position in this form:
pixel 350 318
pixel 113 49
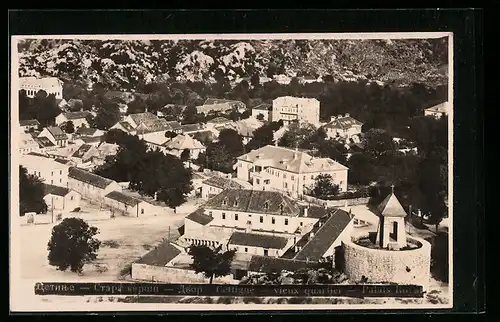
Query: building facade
pixel 290 109
pixel 50 171
pixel 342 126
pixel 79 119
pixel 55 135
pixel 91 186
pixel 27 144
pixel 129 206
pixel 438 111
pixel 51 85
pixel 61 198
pixel 287 170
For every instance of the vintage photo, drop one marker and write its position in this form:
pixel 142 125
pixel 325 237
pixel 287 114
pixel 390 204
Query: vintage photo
pixel 243 161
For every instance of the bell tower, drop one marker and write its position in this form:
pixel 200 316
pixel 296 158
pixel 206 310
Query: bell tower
pixel 391 231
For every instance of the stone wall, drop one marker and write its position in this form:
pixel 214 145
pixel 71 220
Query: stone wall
pixel 385 266
pixel 174 275
pixel 337 203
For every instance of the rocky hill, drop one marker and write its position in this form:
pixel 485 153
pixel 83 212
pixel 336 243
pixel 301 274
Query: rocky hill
pixel 125 64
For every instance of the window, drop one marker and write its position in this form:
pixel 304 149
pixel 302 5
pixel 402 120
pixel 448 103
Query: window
pixel 258 181
pixel 39 174
pixel 266 252
pixel 284 175
pixel 71 198
pixel 266 205
pixel 51 181
pixel 286 221
pixel 273 221
pixel 236 203
pixel 301 223
pixel 261 219
pixel 210 213
pixel 304 178
pixel 223 216
pixel 224 202
pixel 312 177
pixel 246 250
pixel 52 173
pixel 142 211
pixel 293 178
pixel 249 216
pixel 60 180
pixel 235 216
pixel 286 185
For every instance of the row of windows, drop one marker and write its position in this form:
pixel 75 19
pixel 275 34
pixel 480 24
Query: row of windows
pixel 261 218
pixel 33 92
pixel 52 173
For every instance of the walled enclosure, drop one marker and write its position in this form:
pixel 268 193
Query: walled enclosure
pixel 388 266
pixel 174 275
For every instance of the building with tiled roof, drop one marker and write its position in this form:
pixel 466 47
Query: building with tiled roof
pixel 161 255
pixel 60 198
pixel 126 205
pixel 27 144
pixel 199 217
pixel 342 126
pixel 257 240
pixel 220 105
pixel 92 132
pixel 322 243
pixel 181 142
pixel 125 127
pixel 216 184
pixel 78 119
pixel 90 185
pixel 50 171
pixel 438 111
pixel 290 109
pixel 287 170
pixel 27 125
pixel 263 109
pixel 84 153
pixel 55 135
pixel 192 128
pixel 391 227
pixel 266 264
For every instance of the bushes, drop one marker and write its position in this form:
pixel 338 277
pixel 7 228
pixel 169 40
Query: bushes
pixel 77 209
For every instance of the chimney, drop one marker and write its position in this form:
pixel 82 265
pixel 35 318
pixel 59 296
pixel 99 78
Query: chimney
pixel 305 211
pixel 333 118
pixel 146 109
pixel 346 114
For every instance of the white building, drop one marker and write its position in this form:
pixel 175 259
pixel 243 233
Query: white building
pixel 60 198
pixel 342 126
pixel 79 119
pixel 27 144
pixel 128 205
pixel 287 170
pixel 265 223
pixel 182 142
pixel 91 186
pixel 50 171
pixel 27 125
pixel 263 109
pixel 55 135
pixel 51 85
pixel 289 109
pixel 438 111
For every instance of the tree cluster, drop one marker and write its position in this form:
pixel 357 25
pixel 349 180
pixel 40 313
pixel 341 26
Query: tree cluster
pixel 151 173
pixel 31 193
pixel 42 107
pixel 212 262
pixel 221 155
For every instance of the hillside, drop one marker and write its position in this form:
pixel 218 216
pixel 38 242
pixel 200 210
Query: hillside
pixel 125 64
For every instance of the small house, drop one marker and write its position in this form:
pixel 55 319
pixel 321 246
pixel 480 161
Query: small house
pixel 128 205
pixel 27 125
pixel 90 185
pixel 262 112
pixel 342 126
pixel 182 142
pixel 90 132
pixel 79 119
pixel 55 135
pixel 27 144
pixel 60 198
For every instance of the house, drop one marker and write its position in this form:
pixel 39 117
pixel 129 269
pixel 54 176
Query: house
pixel 287 170
pixel 220 105
pixel 72 105
pixel 289 109
pixel 125 127
pixel 89 132
pixel 342 126
pixel 55 135
pixel 84 154
pixel 61 198
pixel 32 85
pixel 262 111
pixel 218 123
pixel 128 205
pixel 142 123
pixel 27 144
pixel 50 171
pixel 90 185
pixel 192 128
pixel 27 125
pixel 45 145
pixel 246 127
pixel 156 141
pixel 216 184
pixel 255 222
pixel 79 119
pixel 92 140
pixel 438 111
pixel 182 142
pixel 323 242
pixel 282 79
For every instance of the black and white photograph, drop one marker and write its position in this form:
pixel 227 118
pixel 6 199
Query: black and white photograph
pixel 275 169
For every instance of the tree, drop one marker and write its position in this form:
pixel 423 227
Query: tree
pixel 176 184
pixel 107 116
pixel 45 108
pixel 170 134
pixel 217 157
pixel 31 193
pixel 232 141
pixel 361 169
pixel 185 155
pixel 136 106
pixel 72 245
pixel 260 117
pixel 263 136
pixel 211 262
pixel 68 127
pixel 378 142
pixel 324 187
pixel 298 135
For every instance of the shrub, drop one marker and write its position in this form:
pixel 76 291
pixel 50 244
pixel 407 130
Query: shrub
pixel 77 209
pixel 110 244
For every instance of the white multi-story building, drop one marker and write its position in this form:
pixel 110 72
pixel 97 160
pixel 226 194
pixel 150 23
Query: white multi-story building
pixel 290 109
pixel 91 186
pixel 50 171
pixel 27 144
pixel 342 126
pixel 287 170
pixel 51 85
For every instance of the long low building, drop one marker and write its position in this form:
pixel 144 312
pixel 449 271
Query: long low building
pixel 91 186
pixel 61 199
pixel 128 205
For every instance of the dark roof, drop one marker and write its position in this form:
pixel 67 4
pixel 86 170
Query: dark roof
pixel 254 201
pixel 191 127
pixel 342 122
pixel 90 139
pixel 62 161
pixel 29 122
pixel 174 125
pixel 316 212
pixel 123 198
pixel 263 107
pixel 44 142
pixel 326 235
pixel 269 264
pixel 88 177
pixel 39 154
pixel 205 135
pixel 54 190
pixel 219 120
pixel 160 255
pixel 57 133
pixel 199 217
pixel 81 151
pixel 211 101
pixel 222 183
pixel 86 131
pixel 126 126
pixel 76 115
pixel 391 207
pixel 257 240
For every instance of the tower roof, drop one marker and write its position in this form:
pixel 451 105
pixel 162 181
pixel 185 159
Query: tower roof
pixel 391 207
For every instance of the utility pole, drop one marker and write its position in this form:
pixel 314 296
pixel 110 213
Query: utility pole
pixel 52 209
pixel 168 232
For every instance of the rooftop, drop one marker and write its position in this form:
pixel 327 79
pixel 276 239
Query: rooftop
pixel 316 212
pixel 257 240
pixel 290 160
pixel 29 123
pixel 191 127
pixel 391 207
pixel 342 122
pixel 160 255
pixel 222 183
pixel 263 107
pixel 89 177
pixel 44 142
pixel 86 131
pixel 254 201
pixel 212 101
pixel 49 189
pixel 76 115
pixel 325 236
pixel 39 162
pixel 219 120
pixel 295 100
pixel 199 217
pixel 81 151
pixel 439 108
pixel 40 82
pixel 268 264
pixel 181 142
pixel 57 133
pixel 123 198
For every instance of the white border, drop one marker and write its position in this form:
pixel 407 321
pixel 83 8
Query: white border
pixel 22 298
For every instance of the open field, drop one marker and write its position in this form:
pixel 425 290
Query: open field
pixel 124 239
